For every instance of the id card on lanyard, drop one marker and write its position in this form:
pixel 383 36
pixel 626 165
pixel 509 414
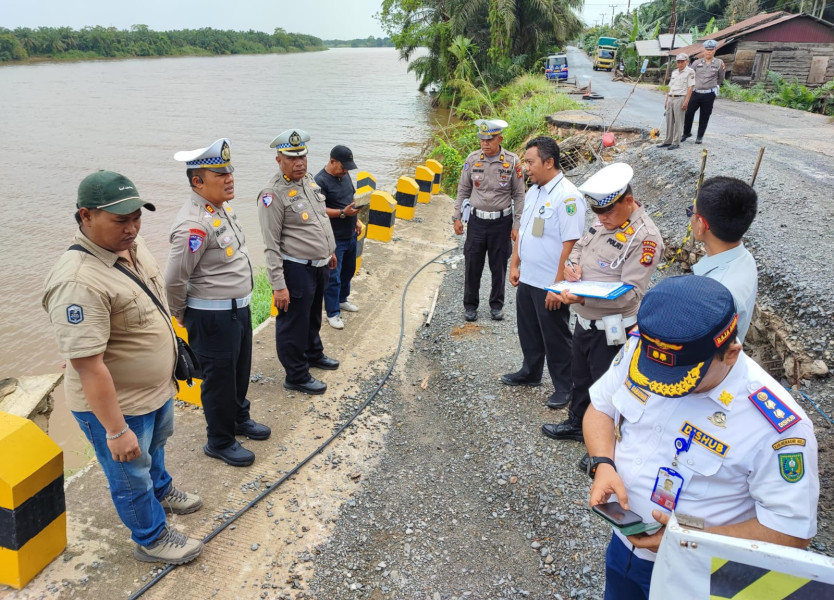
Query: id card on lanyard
pixel 669 483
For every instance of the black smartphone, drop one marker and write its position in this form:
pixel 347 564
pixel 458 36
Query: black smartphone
pixel 616 514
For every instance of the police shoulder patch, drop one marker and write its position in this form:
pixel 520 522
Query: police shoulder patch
pixel 75 314
pixel 774 410
pixel 266 199
pixel 196 237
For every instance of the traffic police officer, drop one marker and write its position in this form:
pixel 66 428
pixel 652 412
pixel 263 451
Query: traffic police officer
pixel 299 248
pixel 492 186
pixel 683 403
pixel 709 75
pixel 209 285
pixel 622 245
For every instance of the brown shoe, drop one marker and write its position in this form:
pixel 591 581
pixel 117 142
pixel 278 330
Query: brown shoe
pixel 172 547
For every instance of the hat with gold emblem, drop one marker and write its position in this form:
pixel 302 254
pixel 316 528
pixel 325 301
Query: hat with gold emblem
pixel 489 128
pixel 607 185
pixel 292 142
pixel 216 157
pixel 684 322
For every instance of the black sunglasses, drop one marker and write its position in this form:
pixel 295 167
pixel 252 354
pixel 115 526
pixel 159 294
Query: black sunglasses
pixel 690 210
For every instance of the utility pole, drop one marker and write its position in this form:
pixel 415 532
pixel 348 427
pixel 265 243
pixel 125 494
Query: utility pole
pixel 613 6
pixel 672 45
pixel 628 8
pixel 602 19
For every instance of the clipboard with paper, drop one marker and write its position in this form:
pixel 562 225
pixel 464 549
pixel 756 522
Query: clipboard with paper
pixel 605 290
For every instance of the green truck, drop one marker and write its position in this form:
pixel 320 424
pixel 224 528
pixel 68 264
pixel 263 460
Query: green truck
pixel 606 54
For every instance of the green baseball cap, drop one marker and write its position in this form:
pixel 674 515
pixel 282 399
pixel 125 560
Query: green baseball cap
pixel 111 192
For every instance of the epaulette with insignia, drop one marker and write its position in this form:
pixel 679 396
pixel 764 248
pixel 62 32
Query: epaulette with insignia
pixel 774 410
pixel 635 332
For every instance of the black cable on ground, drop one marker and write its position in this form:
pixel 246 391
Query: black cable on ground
pixel 216 531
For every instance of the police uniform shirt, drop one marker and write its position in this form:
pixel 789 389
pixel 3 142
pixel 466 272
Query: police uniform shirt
pixel 681 81
pixel 708 76
pixel 294 222
pixel 208 257
pixel 629 254
pixel 97 309
pixel 736 269
pixel 738 465
pixel 562 207
pixel 492 183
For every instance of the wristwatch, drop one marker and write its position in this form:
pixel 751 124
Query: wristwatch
pixel 596 461
pixel 342 213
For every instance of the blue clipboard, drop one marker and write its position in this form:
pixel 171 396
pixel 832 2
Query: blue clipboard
pixel 576 287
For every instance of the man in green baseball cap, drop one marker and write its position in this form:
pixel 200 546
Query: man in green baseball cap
pixel 120 353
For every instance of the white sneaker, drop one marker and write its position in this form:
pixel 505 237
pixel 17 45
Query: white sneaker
pixel 336 322
pixel 348 307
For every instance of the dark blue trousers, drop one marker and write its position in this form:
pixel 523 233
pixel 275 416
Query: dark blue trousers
pixel 626 576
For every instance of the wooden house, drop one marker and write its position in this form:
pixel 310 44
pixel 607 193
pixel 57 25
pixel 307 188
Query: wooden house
pixel 797 46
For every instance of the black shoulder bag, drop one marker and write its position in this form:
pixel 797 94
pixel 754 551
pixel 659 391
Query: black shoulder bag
pixel 187 365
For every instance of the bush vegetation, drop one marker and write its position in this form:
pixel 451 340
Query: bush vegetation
pixel 261 303
pixel 783 93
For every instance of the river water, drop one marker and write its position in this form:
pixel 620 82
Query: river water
pixel 62 121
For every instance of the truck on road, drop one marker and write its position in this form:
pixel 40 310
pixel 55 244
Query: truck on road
pixel 606 54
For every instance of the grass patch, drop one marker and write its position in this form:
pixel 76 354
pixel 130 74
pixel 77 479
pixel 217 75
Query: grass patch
pixel 261 298
pixel 784 93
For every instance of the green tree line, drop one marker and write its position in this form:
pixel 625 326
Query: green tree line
pixel 368 42
pixel 108 42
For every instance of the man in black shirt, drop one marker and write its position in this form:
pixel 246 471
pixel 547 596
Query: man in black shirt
pixel 338 191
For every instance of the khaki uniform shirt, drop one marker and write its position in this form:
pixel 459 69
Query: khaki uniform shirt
pixel 629 254
pixel 208 257
pixel 681 81
pixel 293 222
pixel 708 76
pixel 492 184
pixel 96 309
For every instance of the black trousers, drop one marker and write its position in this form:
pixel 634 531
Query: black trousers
pixel 698 101
pixel 297 338
pixel 590 359
pixel 222 341
pixel 485 238
pixel 544 335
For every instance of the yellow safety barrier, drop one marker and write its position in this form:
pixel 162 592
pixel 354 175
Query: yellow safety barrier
pixel 185 393
pixel 407 189
pixel 365 182
pixel 381 217
pixel 33 517
pixel 424 177
pixel 360 245
pixel 437 169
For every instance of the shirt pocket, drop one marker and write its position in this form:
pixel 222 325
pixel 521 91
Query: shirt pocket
pixel 478 175
pixel 698 466
pixel 131 312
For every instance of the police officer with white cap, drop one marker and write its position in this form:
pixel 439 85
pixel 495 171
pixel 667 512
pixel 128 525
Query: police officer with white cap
pixel 685 421
pixel 492 187
pixel 299 247
pixel 209 286
pixel 622 245
pixel 709 75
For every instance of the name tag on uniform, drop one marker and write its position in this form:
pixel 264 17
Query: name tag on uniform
pixel 538 227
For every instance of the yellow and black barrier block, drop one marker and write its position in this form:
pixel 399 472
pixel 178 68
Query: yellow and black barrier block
pixel 33 514
pixel 436 168
pixel 360 245
pixel 425 178
pixel 185 393
pixel 381 217
pixel 406 196
pixel 365 182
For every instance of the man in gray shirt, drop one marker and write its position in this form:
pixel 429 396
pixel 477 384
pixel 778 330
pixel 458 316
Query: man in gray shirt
pixel 721 215
pixel 709 75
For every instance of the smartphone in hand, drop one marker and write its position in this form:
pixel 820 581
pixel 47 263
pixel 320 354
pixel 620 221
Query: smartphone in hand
pixel 628 522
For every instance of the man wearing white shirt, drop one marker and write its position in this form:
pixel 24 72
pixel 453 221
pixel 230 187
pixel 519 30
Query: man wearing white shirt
pixel 685 421
pixel 552 221
pixel 721 215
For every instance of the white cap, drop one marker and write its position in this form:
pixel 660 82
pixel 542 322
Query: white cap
pixel 607 185
pixel 489 128
pixel 682 56
pixel 216 157
pixel 292 142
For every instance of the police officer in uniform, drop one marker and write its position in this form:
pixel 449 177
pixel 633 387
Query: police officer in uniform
pixel 709 75
pixel 622 245
pixel 682 402
pixel 209 285
pixel 299 248
pixel 492 186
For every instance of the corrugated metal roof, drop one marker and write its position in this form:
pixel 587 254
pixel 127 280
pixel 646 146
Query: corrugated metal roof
pixel 649 48
pixel 681 39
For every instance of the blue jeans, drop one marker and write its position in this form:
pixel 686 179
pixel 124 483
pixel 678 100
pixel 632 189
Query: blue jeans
pixel 338 289
pixel 136 487
pixel 626 576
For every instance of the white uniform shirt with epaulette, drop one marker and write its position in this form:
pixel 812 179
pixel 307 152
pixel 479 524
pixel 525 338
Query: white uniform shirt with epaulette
pixel 208 257
pixel 491 183
pixel 294 223
pixel 753 451
pixel 629 254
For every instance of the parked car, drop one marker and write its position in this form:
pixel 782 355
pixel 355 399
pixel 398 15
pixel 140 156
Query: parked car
pixel 556 67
